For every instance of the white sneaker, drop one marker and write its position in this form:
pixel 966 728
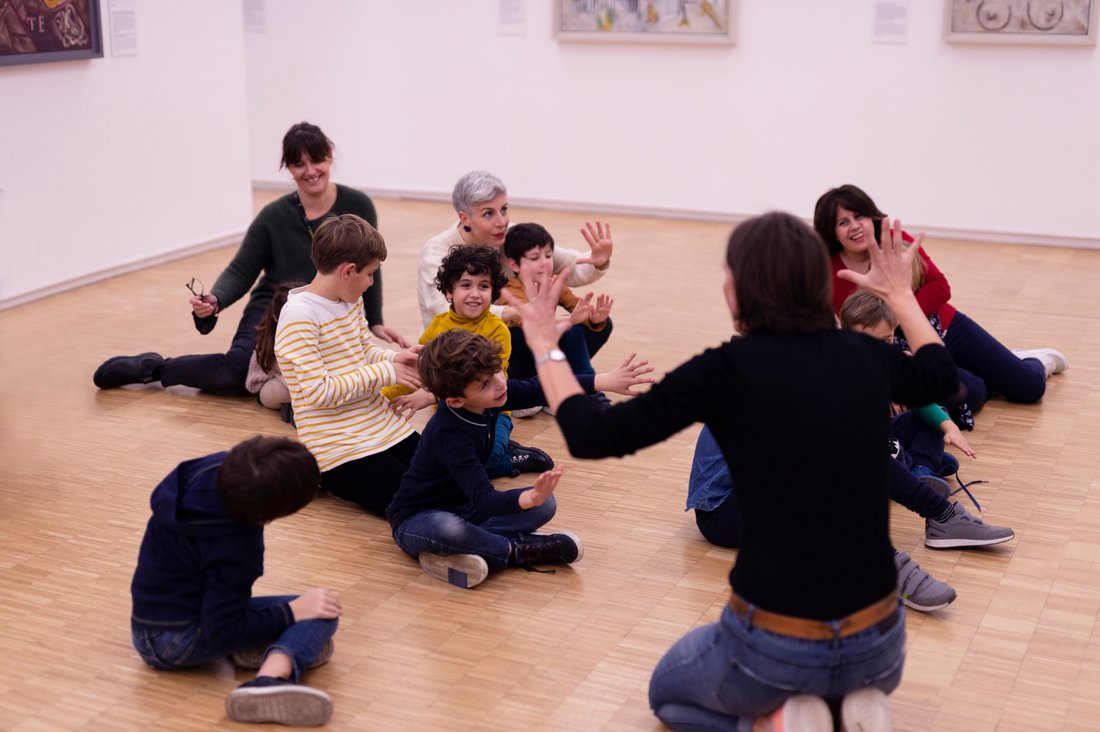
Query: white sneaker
pixel 1053 360
pixel 524 413
pixel 866 710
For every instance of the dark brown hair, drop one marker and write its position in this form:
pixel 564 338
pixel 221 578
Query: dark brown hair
pixel 781 276
pixel 265 331
pixel 522 238
pixel 454 359
pixel 305 139
pixel 265 478
pixel 863 309
pixel 851 198
pixel 475 260
pixel 346 238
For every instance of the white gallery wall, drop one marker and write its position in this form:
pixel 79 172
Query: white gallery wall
pixel 107 163
pixel 972 140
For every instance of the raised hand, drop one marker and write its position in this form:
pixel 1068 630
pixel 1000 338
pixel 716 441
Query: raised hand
pixel 542 489
pixel 891 271
pixel 629 374
pixel 541 328
pixel 601 309
pixel 204 306
pixel 599 244
pixel 582 312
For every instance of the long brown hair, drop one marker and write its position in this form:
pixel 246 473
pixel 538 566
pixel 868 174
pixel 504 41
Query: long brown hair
pixel 265 331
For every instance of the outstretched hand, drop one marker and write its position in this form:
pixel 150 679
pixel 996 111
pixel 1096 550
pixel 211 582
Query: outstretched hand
pixel 389 335
pixel 627 375
pixel 541 328
pixel 599 244
pixel 316 603
pixel 542 489
pixel 891 271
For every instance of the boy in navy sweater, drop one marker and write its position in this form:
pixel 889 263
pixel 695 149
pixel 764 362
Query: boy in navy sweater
pixel 446 512
pixel 192 588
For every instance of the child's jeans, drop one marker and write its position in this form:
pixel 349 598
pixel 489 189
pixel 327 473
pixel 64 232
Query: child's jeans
pixel 721 676
pixel 579 344
pixel 174 648
pixel 442 532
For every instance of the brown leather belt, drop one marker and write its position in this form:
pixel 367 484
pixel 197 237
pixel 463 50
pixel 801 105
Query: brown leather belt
pixel 883 613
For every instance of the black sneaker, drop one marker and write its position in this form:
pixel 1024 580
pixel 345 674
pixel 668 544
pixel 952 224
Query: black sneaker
pixel 268 699
pixel 123 370
pixel 528 459
pixel 563 547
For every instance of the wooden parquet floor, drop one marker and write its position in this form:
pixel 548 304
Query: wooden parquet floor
pixel 1018 650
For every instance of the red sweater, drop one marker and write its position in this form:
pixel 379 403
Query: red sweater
pixel 932 296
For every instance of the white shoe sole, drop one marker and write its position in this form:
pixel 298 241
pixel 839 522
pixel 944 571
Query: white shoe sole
pixel 290 704
pixel 460 570
pixel 961 543
pixel 866 710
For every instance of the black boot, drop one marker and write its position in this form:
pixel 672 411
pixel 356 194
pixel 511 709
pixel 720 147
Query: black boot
pixel 563 547
pixel 528 459
pixel 123 370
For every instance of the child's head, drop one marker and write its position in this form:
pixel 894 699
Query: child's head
pixel 868 313
pixel 464 369
pixel 471 278
pixel 265 478
pixel 265 331
pixel 529 245
pixel 349 250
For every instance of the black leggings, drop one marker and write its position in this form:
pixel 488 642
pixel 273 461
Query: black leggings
pixel 371 481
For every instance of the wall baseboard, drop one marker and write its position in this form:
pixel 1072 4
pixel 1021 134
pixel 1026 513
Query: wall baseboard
pixel 677 214
pixel 137 264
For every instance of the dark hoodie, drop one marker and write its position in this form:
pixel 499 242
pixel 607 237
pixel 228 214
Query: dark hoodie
pixel 197 564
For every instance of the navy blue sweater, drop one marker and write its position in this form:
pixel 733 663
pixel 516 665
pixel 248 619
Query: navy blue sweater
pixel 197 564
pixel 447 472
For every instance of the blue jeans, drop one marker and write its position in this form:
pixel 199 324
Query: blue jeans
pixel 490 537
pixel 721 676
pixel 171 649
pixel 219 373
pixel 976 351
pixel 921 441
pixel 578 344
pixel 710 490
pixel 500 461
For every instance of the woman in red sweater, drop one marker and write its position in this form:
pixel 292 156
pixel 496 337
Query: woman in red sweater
pixel 848 220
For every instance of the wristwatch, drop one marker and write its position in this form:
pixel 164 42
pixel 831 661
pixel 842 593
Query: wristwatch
pixel 554 354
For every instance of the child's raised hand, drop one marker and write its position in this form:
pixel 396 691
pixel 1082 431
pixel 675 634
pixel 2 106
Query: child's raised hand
pixel 952 435
pixel 628 374
pixel 582 312
pixel 407 405
pixel 316 603
pixel 600 310
pixel 542 489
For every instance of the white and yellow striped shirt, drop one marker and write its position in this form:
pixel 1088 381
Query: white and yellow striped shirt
pixel 335 373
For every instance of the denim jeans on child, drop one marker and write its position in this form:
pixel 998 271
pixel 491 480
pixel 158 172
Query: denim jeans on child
pixel 443 532
pixel 173 648
pixel 723 675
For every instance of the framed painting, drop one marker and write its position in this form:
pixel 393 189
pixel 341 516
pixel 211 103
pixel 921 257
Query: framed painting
pixel 652 21
pixel 38 31
pixel 1020 21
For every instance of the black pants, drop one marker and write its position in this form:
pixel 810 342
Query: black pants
pixel 218 373
pixel 371 481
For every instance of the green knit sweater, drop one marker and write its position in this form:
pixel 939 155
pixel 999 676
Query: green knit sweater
pixel 276 249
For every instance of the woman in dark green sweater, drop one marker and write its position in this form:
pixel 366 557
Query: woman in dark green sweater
pixel 275 249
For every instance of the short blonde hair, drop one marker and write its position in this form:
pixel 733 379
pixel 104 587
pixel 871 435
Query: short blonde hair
pixel 865 309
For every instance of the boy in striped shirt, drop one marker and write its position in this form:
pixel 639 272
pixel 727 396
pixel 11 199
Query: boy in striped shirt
pixel 335 371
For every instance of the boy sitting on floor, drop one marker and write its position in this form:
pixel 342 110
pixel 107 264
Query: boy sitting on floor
pixel 192 588
pixel 470 278
pixel 446 512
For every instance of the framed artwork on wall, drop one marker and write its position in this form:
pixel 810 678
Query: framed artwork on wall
pixel 647 21
pixel 1020 21
pixel 39 31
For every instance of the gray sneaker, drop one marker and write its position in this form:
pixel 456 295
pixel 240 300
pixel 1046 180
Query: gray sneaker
pixel 963 528
pixel 267 699
pixel 918 589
